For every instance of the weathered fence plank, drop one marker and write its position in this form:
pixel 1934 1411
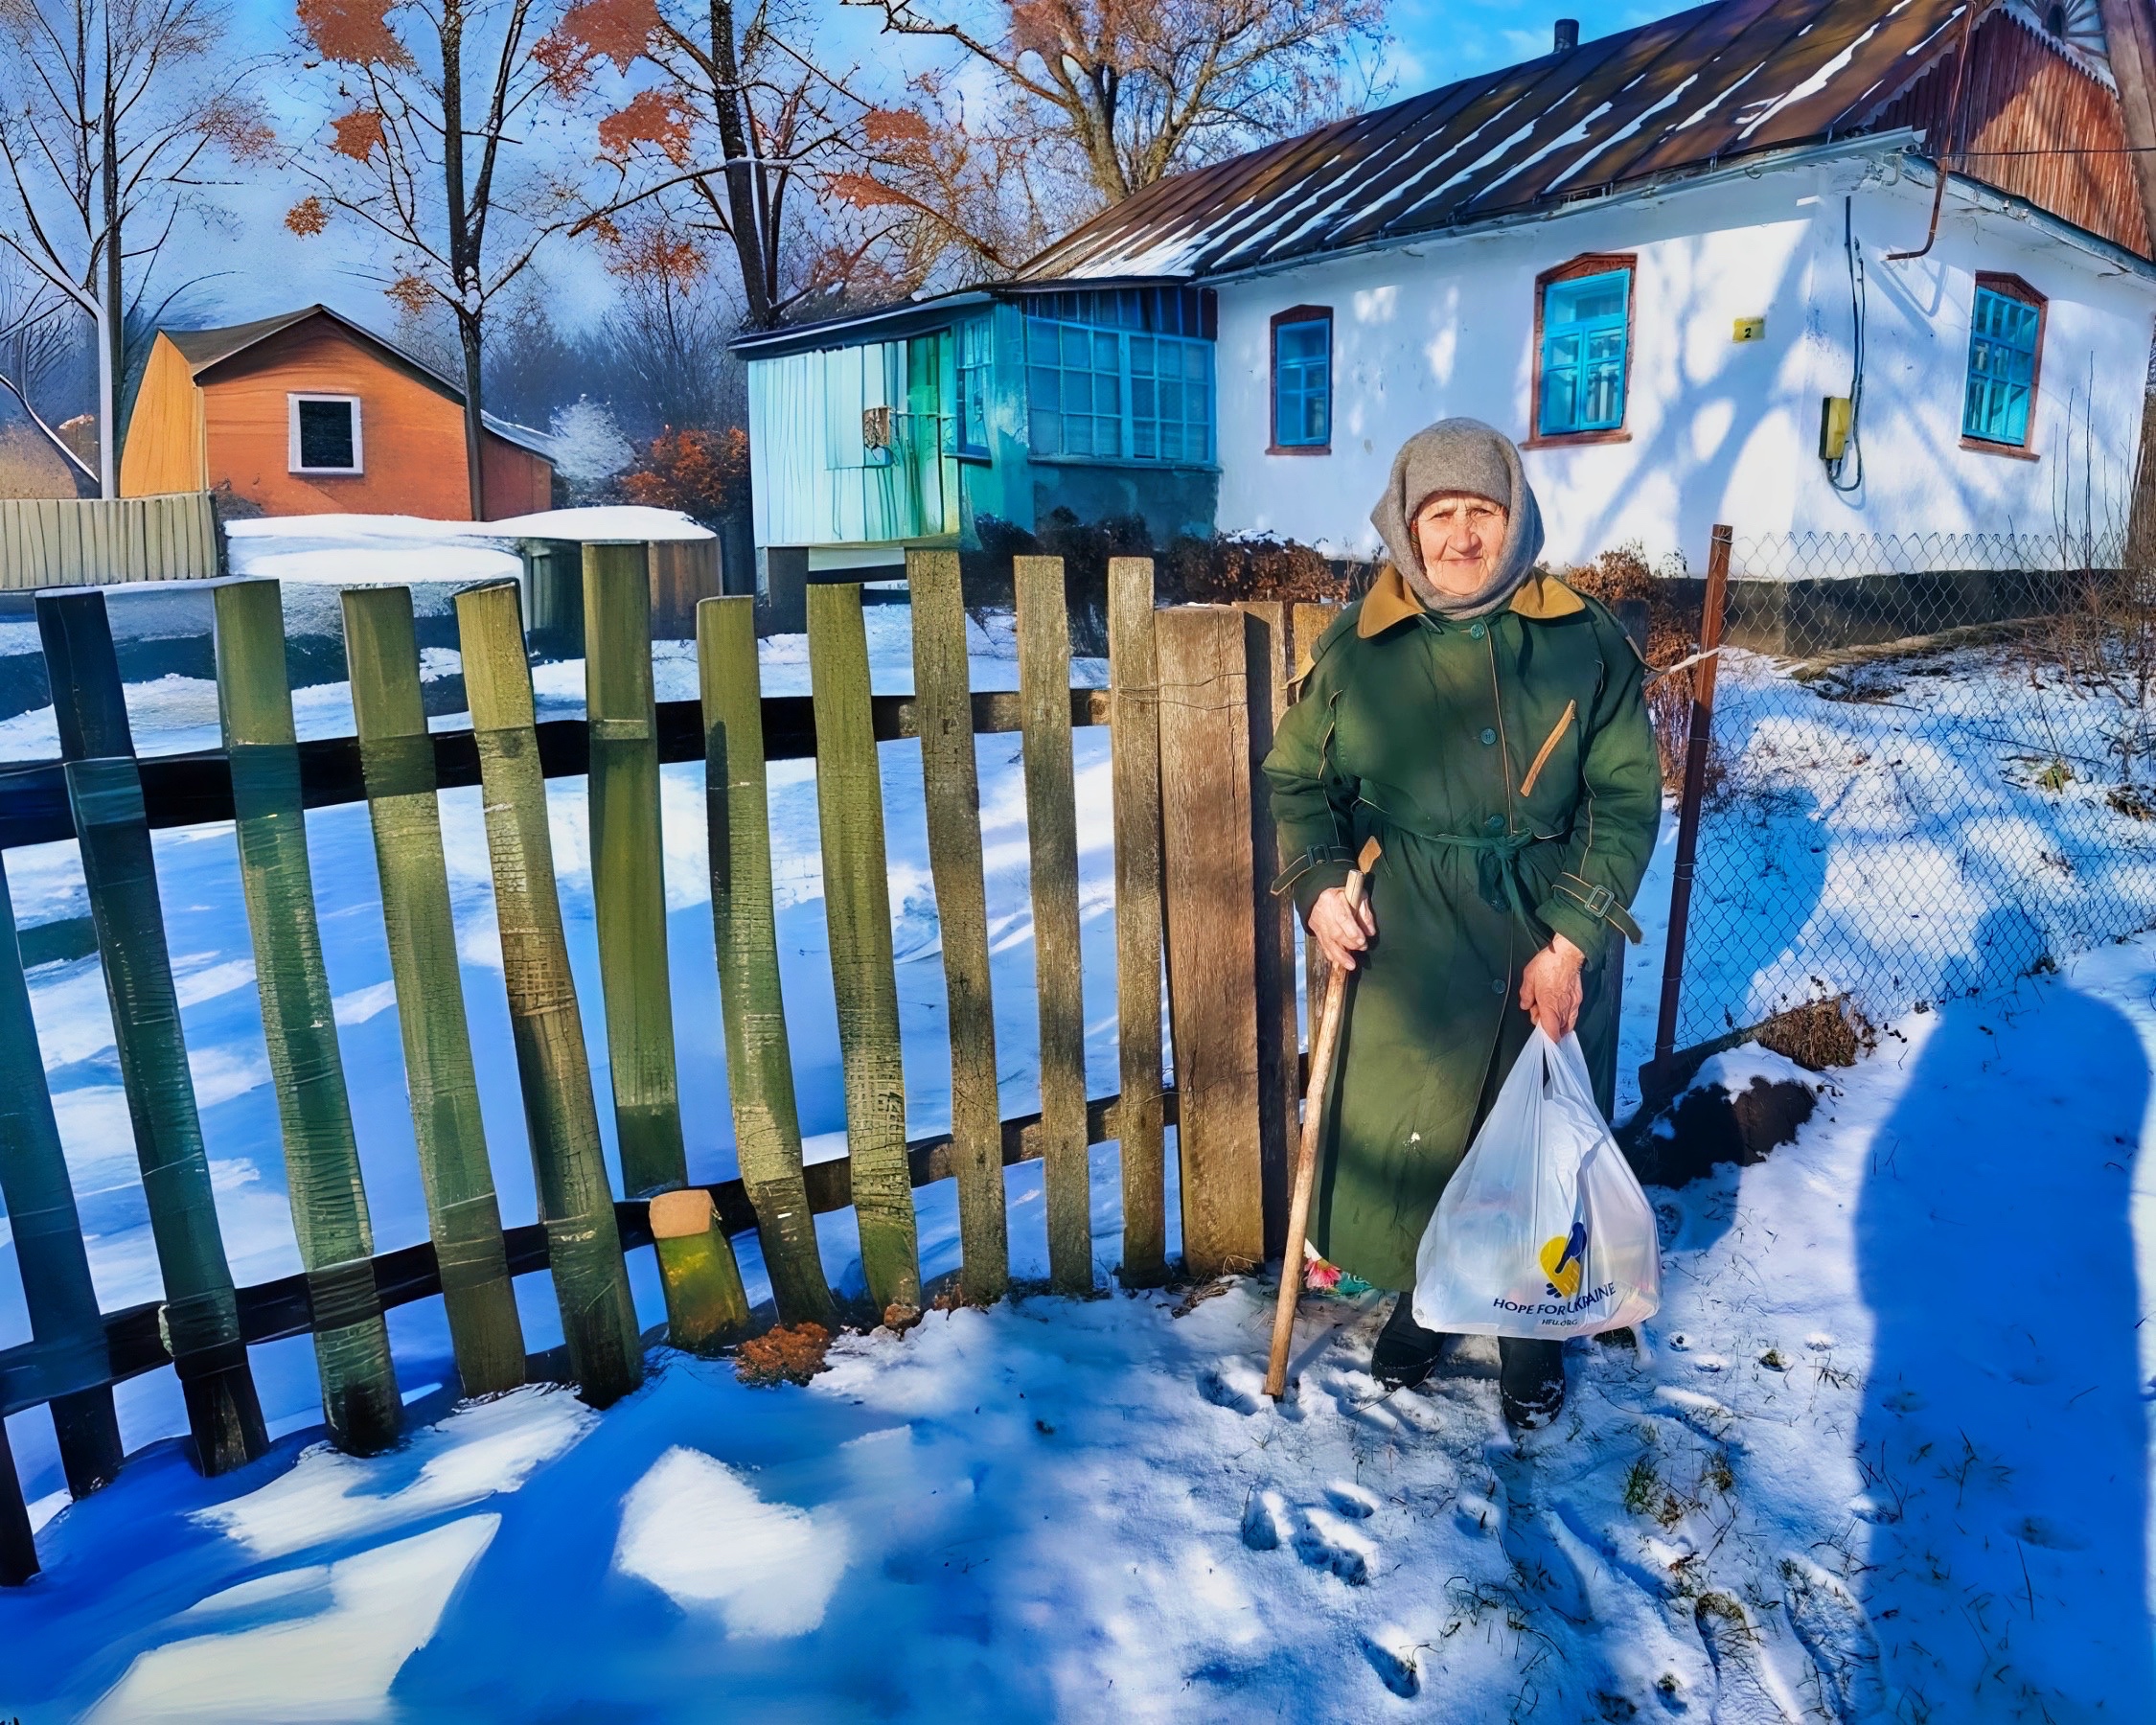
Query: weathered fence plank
pixel 323 1185
pixel 759 1058
pixel 583 1243
pixel 200 1318
pixel 1212 982
pixel 58 1293
pixel 951 784
pixel 463 1215
pixel 1265 635
pixel 1135 744
pixel 629 897
pixel 1311 619
pixel 1051 832
pixel 857 909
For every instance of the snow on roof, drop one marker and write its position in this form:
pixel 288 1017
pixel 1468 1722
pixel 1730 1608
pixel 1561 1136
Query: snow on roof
pixel 1757 75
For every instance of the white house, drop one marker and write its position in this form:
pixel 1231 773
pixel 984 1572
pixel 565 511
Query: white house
pixel 1703 270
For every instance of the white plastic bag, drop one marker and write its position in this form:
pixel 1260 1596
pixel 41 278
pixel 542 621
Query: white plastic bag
pixel 1543 1230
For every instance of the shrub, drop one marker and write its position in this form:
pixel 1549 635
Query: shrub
pixel 704 474
pixel 782 1356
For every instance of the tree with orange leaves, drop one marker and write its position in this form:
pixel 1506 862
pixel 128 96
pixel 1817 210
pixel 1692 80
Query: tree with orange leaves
pixel 432 105
pixel 1129 91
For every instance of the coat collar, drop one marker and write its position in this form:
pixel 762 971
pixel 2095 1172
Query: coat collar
pixel 1543 598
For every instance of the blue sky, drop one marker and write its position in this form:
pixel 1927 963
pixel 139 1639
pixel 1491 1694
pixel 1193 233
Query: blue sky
pixel 253 267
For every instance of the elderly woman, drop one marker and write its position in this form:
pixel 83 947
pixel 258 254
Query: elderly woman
pixel 1485 724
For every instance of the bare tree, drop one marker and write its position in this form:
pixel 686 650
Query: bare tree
pixel 1132 90
pixel 111 115
pixel 740 131
pixel 439 102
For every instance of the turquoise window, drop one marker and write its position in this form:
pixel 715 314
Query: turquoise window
pixel 1585 332
pixel 2004 331
pixel 1117 394
pixel 970 424
pixel 1302 384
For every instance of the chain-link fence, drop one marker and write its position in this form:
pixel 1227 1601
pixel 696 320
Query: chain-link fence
pixel 1930 771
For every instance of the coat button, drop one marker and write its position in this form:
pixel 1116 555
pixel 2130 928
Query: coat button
pixel 1476 631
pixel 1495 823
pixel 1497 986
pixel 1489 737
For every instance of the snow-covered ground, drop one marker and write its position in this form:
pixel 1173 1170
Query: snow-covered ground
pixel 1883 1455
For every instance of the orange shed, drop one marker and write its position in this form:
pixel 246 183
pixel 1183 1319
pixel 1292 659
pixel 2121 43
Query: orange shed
pixel 309 414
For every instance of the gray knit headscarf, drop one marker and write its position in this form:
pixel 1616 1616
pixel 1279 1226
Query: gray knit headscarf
pixel 1460 455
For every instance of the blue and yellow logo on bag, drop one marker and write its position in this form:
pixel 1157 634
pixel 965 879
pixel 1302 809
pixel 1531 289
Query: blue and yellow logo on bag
pixel 1562 1257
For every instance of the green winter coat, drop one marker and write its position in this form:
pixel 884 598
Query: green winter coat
pixel 1507 768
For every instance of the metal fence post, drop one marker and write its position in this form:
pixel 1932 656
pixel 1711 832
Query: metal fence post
pixel 1696 744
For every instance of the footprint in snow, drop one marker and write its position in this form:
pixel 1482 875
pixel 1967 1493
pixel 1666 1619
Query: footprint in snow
pixel 1237 1388
pixel 1262 1519
pixel 1326 1542
pixel 1392 1657
pixel 1351 1501
pixel 1538 1553
pixel 1835 1631
pixel 1746 1691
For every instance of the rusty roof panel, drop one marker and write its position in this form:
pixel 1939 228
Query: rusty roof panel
pixel 1701 86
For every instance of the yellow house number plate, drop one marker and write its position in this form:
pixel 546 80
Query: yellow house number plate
pixel 1750 329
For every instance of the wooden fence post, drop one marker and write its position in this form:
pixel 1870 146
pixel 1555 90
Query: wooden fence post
pixel 1278 1031
pixel 759 1060
pixel 329 1201
pixel 1212 942
pixel 704 1302
pixel 18 1546
pixel 1051 829
pixel 201 1318
pixel 951 786
pixel 1655 1077
pixel 584 1244
pixel 57 1289
pixel 858 910
pixel 463 1215
pixel 1135 746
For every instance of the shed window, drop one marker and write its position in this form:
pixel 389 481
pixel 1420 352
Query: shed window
pixel 1303 379
pixel 2005 336
pixel 970 424
pixel 1585 319
pixel 325 434
pixel 1116 394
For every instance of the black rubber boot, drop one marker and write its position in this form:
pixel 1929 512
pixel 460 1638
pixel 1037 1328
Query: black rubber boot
pixel 1530 1381
pixel 1405 1353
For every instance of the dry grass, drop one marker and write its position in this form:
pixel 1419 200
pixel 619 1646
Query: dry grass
pixel 782 1356
pixel 1819 1034
pixel 1672 634
pixel 29 467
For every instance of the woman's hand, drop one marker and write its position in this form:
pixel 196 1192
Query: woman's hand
pixel 1340 929
pixel 1550 988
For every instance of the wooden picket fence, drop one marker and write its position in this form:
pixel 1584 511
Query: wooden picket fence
pixel 65 541
pixel 1193 695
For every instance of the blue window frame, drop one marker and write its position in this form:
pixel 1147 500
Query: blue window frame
pixel 1109 393
pixel 1303 379
pixel 969 422
pixel 2005 336
pixel 1586 323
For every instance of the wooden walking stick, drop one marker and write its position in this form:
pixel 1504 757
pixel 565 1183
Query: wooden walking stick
pixel 1321 1049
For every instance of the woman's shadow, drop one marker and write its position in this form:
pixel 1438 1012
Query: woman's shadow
pixel 2004 1442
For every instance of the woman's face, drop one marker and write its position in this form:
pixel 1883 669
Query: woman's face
pixel 1459 535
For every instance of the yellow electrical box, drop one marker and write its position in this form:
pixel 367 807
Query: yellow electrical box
pixel 1750 329
pixel 1833 427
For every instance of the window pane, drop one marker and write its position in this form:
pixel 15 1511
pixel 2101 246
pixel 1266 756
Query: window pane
pixel 2002 374
pixel 325 434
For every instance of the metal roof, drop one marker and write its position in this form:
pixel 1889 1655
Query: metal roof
pixel 1718 82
